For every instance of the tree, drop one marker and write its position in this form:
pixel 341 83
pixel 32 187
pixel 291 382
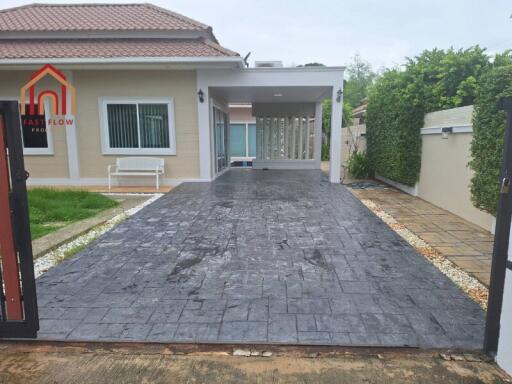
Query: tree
pixel 360 77
pixel 312 65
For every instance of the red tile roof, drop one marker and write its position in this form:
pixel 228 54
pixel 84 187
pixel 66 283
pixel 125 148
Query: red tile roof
pixel 110 48
pixel 84 19
pixel 95 17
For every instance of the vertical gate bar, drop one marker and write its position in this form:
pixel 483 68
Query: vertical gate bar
pixel 301 138
pixel 294 138
pixel 291 137
pixel 10 266
pixel 308 134
pixel 501 242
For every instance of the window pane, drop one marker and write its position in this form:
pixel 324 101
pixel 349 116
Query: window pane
pixel 154 125
pixel 237 139
pixel 34 129
pixel 122 125
pixel 252 140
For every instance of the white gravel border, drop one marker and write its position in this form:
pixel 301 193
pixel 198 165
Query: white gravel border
pixel 54 257
pixel 469 284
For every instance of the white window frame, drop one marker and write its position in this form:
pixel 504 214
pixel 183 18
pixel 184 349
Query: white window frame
pixel 48 151
pixel 105 140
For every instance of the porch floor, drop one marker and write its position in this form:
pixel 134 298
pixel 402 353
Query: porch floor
pixel 256 257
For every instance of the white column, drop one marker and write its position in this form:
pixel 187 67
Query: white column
pixel 504 357
pixel 336 116
pixel 71 136
pixel 204 125
pixel 318 135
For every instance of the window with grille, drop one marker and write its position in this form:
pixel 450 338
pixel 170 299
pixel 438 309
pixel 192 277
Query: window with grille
pixel 138 127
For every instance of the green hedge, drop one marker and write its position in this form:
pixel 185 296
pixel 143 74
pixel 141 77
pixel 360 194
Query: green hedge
pixel 488 132
pixel 393 129
pixel 432 81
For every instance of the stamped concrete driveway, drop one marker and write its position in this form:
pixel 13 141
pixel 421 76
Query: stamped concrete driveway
pixel 260 257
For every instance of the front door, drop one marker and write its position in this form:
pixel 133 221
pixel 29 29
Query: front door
pixel 220 126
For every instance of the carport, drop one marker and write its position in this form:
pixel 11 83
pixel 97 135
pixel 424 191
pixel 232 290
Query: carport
pixel 287 104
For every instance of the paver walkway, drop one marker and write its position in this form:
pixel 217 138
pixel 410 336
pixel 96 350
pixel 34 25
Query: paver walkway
pixel 256 256
pixel 464 244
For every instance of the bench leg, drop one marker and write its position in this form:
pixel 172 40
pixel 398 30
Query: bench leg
pixel 157 182
pixel 109 182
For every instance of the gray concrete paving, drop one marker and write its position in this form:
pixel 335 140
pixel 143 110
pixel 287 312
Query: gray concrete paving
pixel 257 256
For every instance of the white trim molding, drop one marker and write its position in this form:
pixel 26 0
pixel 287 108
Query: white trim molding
pixel 71 138
pixel 103 102
pixel 455 129
pixel 232 61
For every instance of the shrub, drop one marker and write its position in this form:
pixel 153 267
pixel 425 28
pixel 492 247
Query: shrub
pixel 325 152
pixel 393 129
pixel 358 165
pixel 488 135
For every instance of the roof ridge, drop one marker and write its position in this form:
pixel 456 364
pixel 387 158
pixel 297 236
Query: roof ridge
pixel 175 14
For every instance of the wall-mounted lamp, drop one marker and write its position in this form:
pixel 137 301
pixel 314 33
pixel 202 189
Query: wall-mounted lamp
pixel 445 131
pixel 338 95
pixel 200 94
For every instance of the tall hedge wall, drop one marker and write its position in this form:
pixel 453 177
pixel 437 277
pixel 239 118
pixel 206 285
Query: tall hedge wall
pixel 488 134
pixel 436 79
pixel 393 129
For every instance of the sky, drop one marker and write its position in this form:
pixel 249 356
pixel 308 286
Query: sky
pixel 333 31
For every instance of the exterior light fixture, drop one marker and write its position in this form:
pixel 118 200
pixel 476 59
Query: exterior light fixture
pixel 445 131
pixel 278 95
pixel 338 95
pixel 201 96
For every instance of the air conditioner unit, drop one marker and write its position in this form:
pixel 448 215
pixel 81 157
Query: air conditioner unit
pixel 268 64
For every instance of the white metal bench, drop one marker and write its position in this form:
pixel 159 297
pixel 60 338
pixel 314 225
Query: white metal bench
pixel 136 166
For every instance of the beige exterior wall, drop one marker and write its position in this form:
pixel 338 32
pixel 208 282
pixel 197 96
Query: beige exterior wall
pixel 90 86
pixel 39 166
pixel 180 85
pixel 445 177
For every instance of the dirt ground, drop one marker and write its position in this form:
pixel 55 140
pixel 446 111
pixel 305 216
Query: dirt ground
pixel 98 364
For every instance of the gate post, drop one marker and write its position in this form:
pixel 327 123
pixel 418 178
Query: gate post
pixel 501 241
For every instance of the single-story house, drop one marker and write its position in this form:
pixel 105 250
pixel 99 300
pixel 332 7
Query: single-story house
pixel 101 81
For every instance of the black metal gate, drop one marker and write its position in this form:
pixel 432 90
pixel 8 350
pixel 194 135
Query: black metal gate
pixel 501 241
pixel 18 303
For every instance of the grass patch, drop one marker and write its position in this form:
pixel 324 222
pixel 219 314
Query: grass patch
pixel 51 209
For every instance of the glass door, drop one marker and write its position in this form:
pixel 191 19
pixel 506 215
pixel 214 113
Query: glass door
pixel 220 124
